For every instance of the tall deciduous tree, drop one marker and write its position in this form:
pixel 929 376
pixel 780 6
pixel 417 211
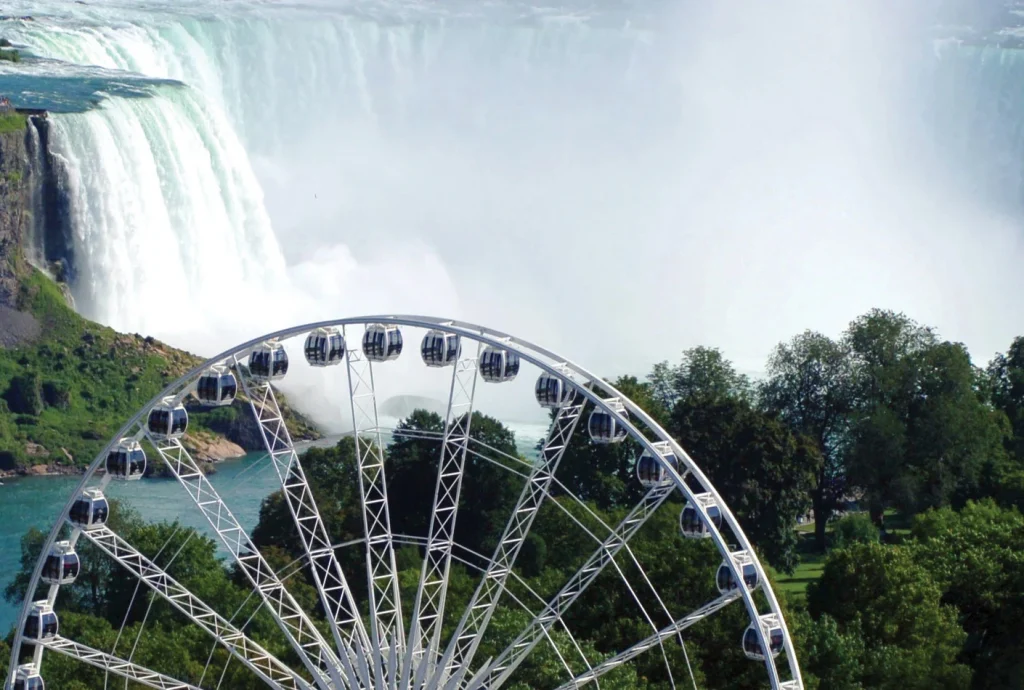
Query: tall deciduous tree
pixel 922 434
pixel 702 371
pixel 1006 373
pixel 763 470
pixel 810 385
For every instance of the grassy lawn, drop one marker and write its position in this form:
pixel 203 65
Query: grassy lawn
pixel 812 562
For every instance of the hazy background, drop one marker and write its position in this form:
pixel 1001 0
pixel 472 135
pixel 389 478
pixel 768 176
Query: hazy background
pixel 616 181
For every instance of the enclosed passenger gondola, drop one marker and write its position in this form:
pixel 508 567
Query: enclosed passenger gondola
pixel 690 522
pixel 498 365
pixel 268 362
pixel 726 581
pixel 167 420
pixel 41 623
pixel 606 427
pixel 28 678
pixel 325 347
pixel 217 386
pixel 553 391
pixel 126 460
pixel 382 342
pixel 752 641
pixel 90 510
pixel 652 473
pixel 62 565
pixel 440 349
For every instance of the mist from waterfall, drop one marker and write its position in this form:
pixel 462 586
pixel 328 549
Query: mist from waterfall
pixel 614 186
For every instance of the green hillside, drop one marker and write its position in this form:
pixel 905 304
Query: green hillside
pixel 68 389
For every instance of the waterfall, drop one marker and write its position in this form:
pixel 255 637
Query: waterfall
pixel 615 186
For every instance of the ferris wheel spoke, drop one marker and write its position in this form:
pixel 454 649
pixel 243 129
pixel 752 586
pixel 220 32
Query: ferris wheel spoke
pixel 474 622
pixel 335 593
pixel 654 640
pixel 258 659
pixel 316 654
pixel 386 631
pixel 428 610
pixel 114 664
pixel 514 655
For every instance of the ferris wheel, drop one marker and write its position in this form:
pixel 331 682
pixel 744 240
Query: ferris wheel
pixel 381 638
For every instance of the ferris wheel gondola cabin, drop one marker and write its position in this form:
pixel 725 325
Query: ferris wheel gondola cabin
pixel 41 623
pixel 652 473
pixel 553 392
pixel 772 630
pixel 607 427
pixel 382 342
pixel 167 420
pixel 325 347
pixel 692 525
pixel 89 511
pixel 62 565
pixel 440 349
pixel 498 365
pixel 28 678
pixel 126 460
pixel 726 580
pixel 268 362
pixel 216 387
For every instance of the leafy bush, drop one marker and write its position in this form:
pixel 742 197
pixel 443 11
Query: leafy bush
pixel 57 394
pixel 24 394
pixel 854 529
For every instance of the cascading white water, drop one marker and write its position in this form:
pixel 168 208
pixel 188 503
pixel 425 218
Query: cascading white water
pixel 715 175
pixel 166 211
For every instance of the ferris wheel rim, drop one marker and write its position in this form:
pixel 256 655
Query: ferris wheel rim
pixel 536 355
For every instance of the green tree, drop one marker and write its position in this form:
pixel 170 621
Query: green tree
pixel 762 470
pixel 977 558
pixel 1006 373
pixel 854 529
pixel 702 371
pixel 884 596
pixel 810 385
pixel 922 433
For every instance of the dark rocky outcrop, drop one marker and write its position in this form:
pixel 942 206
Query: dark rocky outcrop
pixel 16 184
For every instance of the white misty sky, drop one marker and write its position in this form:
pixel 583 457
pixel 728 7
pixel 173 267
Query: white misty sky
pixel 736 176
pixel 616 187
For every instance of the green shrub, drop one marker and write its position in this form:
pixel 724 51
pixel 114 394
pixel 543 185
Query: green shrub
pixel 57 394
pixel 25 394
pixel 854 529
pixel 10 55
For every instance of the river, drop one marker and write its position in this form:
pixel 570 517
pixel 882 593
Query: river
pixel 242 483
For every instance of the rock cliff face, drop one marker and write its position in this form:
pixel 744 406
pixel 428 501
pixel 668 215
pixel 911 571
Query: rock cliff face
pixel 15 210
pixel 17 182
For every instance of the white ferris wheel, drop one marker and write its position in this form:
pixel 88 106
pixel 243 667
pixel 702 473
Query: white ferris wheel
pixel 380 641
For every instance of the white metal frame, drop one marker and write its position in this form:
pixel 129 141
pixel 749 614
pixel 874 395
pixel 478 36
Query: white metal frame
pixel 386 635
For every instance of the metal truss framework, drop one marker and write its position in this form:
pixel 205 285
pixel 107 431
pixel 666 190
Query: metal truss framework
pixel 117 666
pixel 316 655
pixel 335 594
pixel 387 635
pixel 262 662
pixel 428 609
pixel 652 641
pixel 386 644
pixel 497 672
pixel 474 621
